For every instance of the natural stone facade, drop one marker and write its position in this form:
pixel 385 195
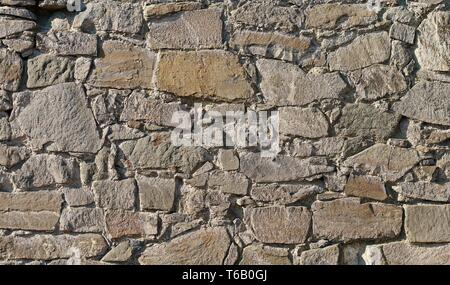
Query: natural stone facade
pixel 89 173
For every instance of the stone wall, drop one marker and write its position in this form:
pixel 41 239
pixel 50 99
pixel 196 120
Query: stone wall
pixel 89 174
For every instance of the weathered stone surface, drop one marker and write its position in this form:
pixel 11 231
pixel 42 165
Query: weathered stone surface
pixel 78 197
pixel 404 253
pixel 348 219
pixel 17 12
pixel 42 170
pixel 67 43
pixel 156 193
pixel 328 16
pixel 215 75
pixel 306 122
pixel 228 160
pixel 47 247
pixel 121 253
pixel 391 163
pixel 18 2
pixel 110 16
pixel 282 168
pixel 424 191
pixel 321 256
pixel 157 10
pixel 264 255
pixel 433 44
pixel 187 30
pixel 82 220
pixel 362 52
pixel 403 32
pixel 12 155
pixel 366 187
pixel 45 70
pixel 57 117
pixel 33 221
pixel 427 223
pixel 115 194
pixel 284 194
pixel 377 81
pixel 122 66
pixel 10 26
pixel 131 224
pixel 367 121
pixel 157 151
pixel 82 68
pixel 202 247
pixel 230 183
pixel 5 101
pixel 5 132
pixel 276 224
pixel 11 68
pixel 33 201
pixel 433 95
pixel 286 84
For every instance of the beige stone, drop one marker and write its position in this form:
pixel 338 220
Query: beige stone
pixel 264 255
pixel 328 16
pixel 427 223
pixel 115 194
pixel 157 10
pixel 366 187
pixel 156 193
pixel 424 191
pixel 32 221
pixel 31 201
pixel 303 122
pixel 82 220
pixel 11 68
pixel 321 256
pixel 131 224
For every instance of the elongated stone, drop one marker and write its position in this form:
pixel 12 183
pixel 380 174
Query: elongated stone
pixel 32 221
pixel 32 201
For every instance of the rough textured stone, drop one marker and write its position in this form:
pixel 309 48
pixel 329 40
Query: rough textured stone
pixel 12 155
pixel 156 193
pixel 157 10
pixel 373 220
pixel 121 253
pixel 366 187
pixel 282 168
pixel 285 225
pixel 307 122
pixel 68 43
pixel 187 30
pixel 285 84
pixel 230 183
pixel 433 95
pixel 33 221
pixel 321 256
pixel 329 16
pixel 228 160
pixel 57 117
pixel 45 70
pixel 131 224
pixel 122 66
pixel 284 194
pixel 403 32
pixel 214 75
pixel 82 220
pixel 11 68
pixel 433 44
pixel 47 247
pixel 427 223
pixel 362 52
pixel 9 27
pixel 115 194
pixel 390 162
pixel 264 255
pixel 17 12
pixel 34 201
pixel 424 191
pixel 202 247
pixel 78 197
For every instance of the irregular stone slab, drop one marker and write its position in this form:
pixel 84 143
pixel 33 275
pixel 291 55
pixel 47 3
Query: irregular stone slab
pixel 230 183
pixel 48 247
pixel 303 122
pixel 55 4
pixel 121 253
pixel 157 10
pixel 78 197
pixel 12 155
pixel 203 247
pixel 427 223
pixel 67 43
pixel 29 221
pixel 5 101
pixel 403 32
pixel 187 30
pixel 321 256
pixel 157 151
pixel 82 220
pixel 348 219
pixel 433 43
pixel 9 26
pixel 285 84
pixel 285 194
pixel 11 68
pixel 433 95
pixel 131 224
pixel 57 117
pixel 5 132
pixel 227 160
pixel 424 191
pixel 276 224
pixel 214 75
pixel 156 193
pixel 390 162
pixel 282 168
pixel 268 14
pixel 264 255
pixel 31 201
pixel 365 50
pixel 17 12
pixel 404 253
pixel 18 2
pixel 42 170
pixel 123 66
pixel 364 120
pixel 45 70
pixel 115 194
pixel 377 81
pixel 329 16
pixel 366 187
pixel 110 16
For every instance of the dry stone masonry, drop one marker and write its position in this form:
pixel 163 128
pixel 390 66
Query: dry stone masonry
pixel 89 173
